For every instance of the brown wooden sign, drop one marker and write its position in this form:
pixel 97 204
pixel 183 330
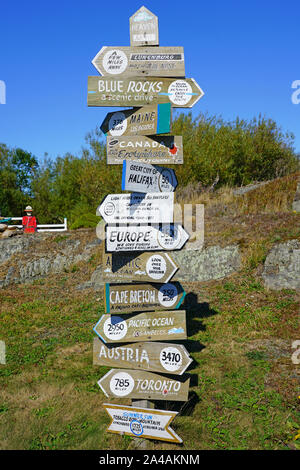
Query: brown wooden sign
pixel 167 358
pixel 143 25
pixel 141 91
pixel 148 120
pixel 158 326
pixel 142 267
pixel 140 61
pixel 140 297
pixel 155 149
pixel 144 385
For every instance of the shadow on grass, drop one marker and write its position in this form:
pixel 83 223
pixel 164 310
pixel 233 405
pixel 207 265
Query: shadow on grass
pixel 195 313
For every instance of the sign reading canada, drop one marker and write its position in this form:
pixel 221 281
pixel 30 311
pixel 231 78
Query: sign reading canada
pixel 157 357
pixel 144 385
pixel 165 325
pixel 154 149
pixel 138 267
pixel 140 61
pixel 139 297
pixel 137 91
pixel 145 178
pixel 141 422
pixel 148 120
pixel 137 207
pixel 145 238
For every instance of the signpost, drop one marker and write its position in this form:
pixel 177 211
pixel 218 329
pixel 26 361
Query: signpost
pixel 142 297
pixel 154 149
pixel 163 325
pixel 145 238
pixel 143 26
pixel 140 384
pixel 141 267
pixel 140 61
pixel 147 120
pixel 140 91
pixel 137 207
pixel 145 178
pixel 142 422
pixel 156 357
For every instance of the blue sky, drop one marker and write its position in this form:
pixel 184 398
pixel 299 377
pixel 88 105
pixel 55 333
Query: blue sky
pixel 244 55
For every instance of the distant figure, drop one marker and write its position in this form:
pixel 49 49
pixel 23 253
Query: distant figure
pixel 29 221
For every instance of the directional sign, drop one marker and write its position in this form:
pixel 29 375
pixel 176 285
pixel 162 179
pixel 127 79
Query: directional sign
pixel 143 267
pixel 142 422
pixel 145 238
pixel 148 120
pixel 145 178
pixel 140 91
pixel 137 207
pixel 139 297
pixel 143 28
pixel 167 358
pixel 140 61
pixel 167 325
pixel 154 149
pixel 144 385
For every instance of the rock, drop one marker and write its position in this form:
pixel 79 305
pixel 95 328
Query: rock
pixel 12 227
pixel 3 227
pixel 9 247
pixel 7 234
pixel 282 266
pixel 296 202
pixel 250 187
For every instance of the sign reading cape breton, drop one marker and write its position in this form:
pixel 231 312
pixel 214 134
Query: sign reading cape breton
pixel 144 311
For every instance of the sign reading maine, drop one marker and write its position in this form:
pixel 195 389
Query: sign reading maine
pixel 164 325
pixel 138 91
pixel 154 149
pixel 148 120
pixel 145 178
pixel 145 238
pixel 143 28
pixel 137 207
pixel 140 61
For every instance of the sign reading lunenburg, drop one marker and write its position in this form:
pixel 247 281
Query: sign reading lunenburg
pixel 142 422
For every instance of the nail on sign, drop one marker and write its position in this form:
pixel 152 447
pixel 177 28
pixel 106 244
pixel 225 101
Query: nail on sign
pixel 145 178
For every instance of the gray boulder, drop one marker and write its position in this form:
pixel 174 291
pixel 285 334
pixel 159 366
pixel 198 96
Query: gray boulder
pixel 282 266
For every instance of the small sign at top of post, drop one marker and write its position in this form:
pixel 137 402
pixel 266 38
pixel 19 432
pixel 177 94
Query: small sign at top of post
pixel 143 28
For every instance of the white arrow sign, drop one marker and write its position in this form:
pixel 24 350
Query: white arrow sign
pixel 137 207
pixel 145 238
pixel 142 422
pixel 145 178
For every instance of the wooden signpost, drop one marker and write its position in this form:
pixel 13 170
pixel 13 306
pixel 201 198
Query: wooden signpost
pixel 140 91
pixel 145 237
pixel 156 357
pixel 142 267
pixel 140 61
pixel 140 384
pixel 142 297
pixel 142 422
pixel 150 80
pixel 154 149
pixel 145 178
pixel 137 207
pixel 165 325
pixel 147 120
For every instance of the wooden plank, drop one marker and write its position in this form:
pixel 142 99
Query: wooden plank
pixel 143 385
pixel 140 61
pixel 137 207
pixel 154 149
pixel 167 358
pixel 138 266
pixel 166 237
pixel 137 421
pixel 141 91
pixel 164 325
pixel 147 120
pixel 143 26
pixel 144 178
pixel 140 297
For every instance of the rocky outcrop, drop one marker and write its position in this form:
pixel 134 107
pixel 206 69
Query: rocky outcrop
pixel 282 266
pixel 296 202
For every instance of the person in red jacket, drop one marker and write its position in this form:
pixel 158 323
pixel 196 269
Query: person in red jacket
pixel 29 221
